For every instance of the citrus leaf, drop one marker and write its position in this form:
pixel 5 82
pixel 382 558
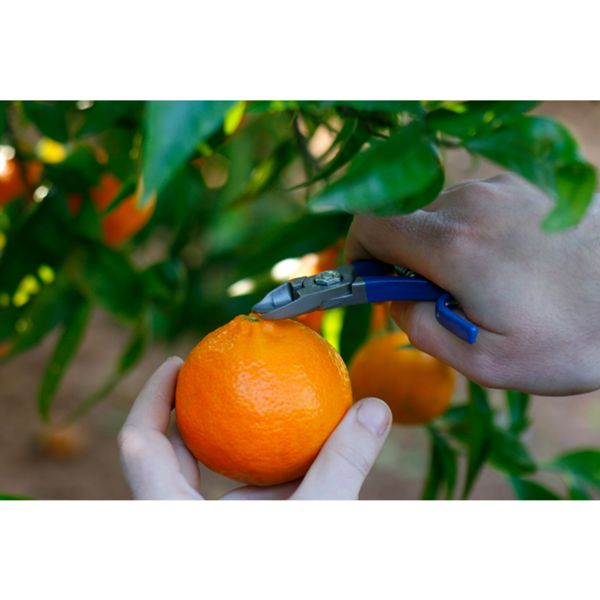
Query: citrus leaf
pixel 582 464
pixel 543 152
pixel 286 240
pixel 468 119
pixel 172 131
pixel 525 489
pixel 65 349
pixel 234 117
pixel 349 148
pixel 518 403
pixel 110 279
pixel 412 106
pixel 43 313
pixel 442 467
pixel 13 497
pixel 103 114
pixel 77 173
pixel 480 434
pixel 3 116
pixel 164 282
pixel 355 329
pixel 577 490
pixel 50 118
pixel 575 187
pixel 510 455
pixel 130 357
pixel 394 176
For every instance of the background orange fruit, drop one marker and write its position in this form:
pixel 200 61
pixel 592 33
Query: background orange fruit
pixel 380 317
pixel 12 184
pixel 61 442
pixel 257 399
pixel 416 386
pixel 123 221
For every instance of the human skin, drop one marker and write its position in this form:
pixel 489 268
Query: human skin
pixel 535 296
pixel 158 466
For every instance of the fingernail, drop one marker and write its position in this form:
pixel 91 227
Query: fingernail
pixel 374 415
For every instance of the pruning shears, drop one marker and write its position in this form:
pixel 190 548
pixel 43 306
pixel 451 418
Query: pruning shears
pixel 361 282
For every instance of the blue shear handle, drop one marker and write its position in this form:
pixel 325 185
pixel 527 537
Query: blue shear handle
pixel 365 268
pixel 381 289
pixel 452 321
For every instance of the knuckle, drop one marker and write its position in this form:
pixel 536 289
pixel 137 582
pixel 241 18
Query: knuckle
pixel 353 459
pixel 130 442
pixel 504 178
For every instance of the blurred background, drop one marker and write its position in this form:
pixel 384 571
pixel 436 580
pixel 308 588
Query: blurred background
pixel 81 461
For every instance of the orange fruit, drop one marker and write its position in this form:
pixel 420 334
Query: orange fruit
pixel 311 264
pixel 60 442
pixel 12 184
pixel 5 348
pixel 123 221
pixel 380 317
pixel 256 399
pixel 416 386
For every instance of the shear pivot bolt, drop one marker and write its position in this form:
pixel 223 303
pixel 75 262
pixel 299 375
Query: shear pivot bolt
pixel 327 278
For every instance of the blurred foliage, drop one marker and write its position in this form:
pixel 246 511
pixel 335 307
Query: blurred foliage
pixel 240 186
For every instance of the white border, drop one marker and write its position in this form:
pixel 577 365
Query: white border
pixel 298 550
pixel 439 49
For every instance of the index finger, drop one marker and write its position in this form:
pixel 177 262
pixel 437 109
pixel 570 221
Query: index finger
pixel 416 241
pixel 152 408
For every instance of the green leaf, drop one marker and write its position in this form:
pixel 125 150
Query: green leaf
pixel 172 131
pixel 77 173
pixel 110 279
pixel 582 464
pixel 103 114
pixel 394 176
pixel 165 282
pixel 518 403
pixel 355 329
pixel 410 106
pixel 577 490
pixel 525 489
pixel 42 236
pixel 442 467
pixel 43 313
pixel 50 118
pixel 480 434
pixel 468 119
pixel 130 357
pixel 3 116
pixel 13 497
pixel 575 187
pixel 65 349
pixel 234 117
pixel 545 153
pixel 350 143
pixel 287 240
pixel 510 455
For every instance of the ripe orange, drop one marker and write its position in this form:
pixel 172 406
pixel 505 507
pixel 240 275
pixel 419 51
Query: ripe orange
pixel 380 317
pixel 311 264
pixel 12 184
pixel 61 442
pixel 417 387
pixel 123 221
pixel 256 399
